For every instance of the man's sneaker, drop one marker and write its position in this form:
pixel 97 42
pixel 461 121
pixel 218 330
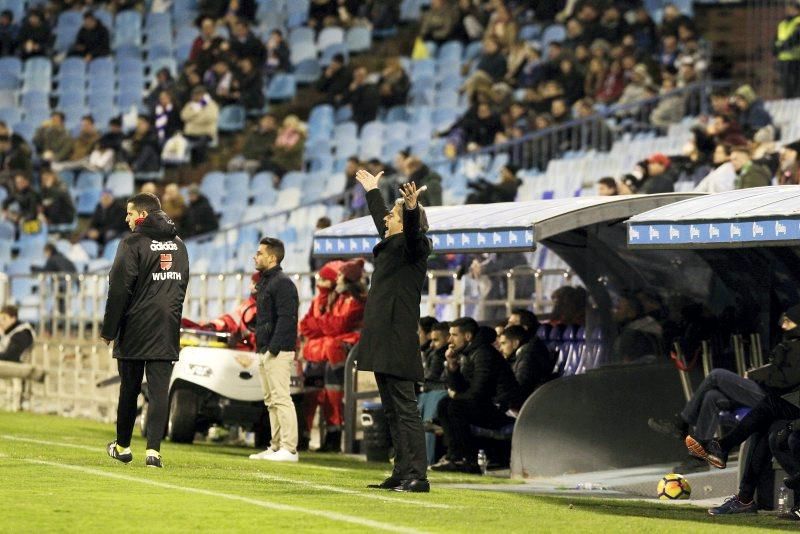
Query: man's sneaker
pixel 153 461
pixel 112 451
pixel 691 465
pixel 282 455
pixel 791 515
pixel 711 452
pixel 389 483
pixel 674 427
pixel 263 454
pixel 733 505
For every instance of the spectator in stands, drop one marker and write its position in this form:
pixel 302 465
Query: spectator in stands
pixel 52 140
pixel 247 85
pixel 15 155
pixel 787 50
pixel 57 206
pixel 637 87
pixel 725 130
pixel 505 190
pixel 644 30
pixel 108 220
pixel 173 204
pixel 478 127
pixel 654 175
pixel 501 26
pixel 109 148
pixel 524 318
pixel 696 161
pixel 723 176
pixel 478 380
pixel 748 172
pixel 434 386
pixel 16 337
pixel 439 23
pixel 8 33
pixel 164 82
pixel 207 46
pixel 528 357
pixel 200 117
pixel 668 55
pixel 243 44
pixel 491 66
pixel 363 97
pixel 640 337
pixel 569 306
pixel 143 153
pixel 422 175
pixel 613 83
pixel 670 108
pixel 277 53
pixel 257 146
pixel 607 187
pixel 35 37
pixel 721 390
pixel 200 217
pixel 55 262
pixel 394 84
pixel 82 146
pixel 287 152
pixel 753 117
pixel 167 119
pixel 150 188
pixel 23 199
pixel 92 40
pixel 789 169
pixel 571 80
pixel 780 377
pixel 335 80
pixel 219 80
pixel 322 13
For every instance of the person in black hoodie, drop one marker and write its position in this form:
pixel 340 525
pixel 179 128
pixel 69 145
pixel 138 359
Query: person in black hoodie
pixel 92 40
pixel 146 289
pixel 143 154
pixel 57 204
pixel 529 358
pixel 481 387
pixel 108 220
pixel 200 217
pixel 779 377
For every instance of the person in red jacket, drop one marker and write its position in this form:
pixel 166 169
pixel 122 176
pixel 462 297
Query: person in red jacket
pixel 330 336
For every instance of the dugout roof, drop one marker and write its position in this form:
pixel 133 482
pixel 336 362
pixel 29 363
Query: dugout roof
pixel 762 216
pixel 501 227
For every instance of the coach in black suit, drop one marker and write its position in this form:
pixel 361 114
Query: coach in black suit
pixel 389 344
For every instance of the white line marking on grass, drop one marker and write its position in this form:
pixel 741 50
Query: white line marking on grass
pixel 332 516
pixel 52 443
pixel 336 489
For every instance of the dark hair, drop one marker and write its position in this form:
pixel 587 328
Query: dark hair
pixel 8 13
pixel 58 114
pixel 742 149
pixel 338 58
pixel 516 332
pixel 427 323
pixel 527 319
pixel 88 118
pixel 10 309
pixel 354 158
pixel 275 246
pixel 466 325
pixel 323 222
pixel 50 248
pixel 145 202
pixel 608 182
pixel 443 326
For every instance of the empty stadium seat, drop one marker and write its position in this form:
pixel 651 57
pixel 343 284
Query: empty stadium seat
pixel 281 87
pixel 232 118
pixel 358 39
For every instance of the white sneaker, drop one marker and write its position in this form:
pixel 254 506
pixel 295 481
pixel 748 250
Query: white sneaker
pixel 263 455
pixel 283 455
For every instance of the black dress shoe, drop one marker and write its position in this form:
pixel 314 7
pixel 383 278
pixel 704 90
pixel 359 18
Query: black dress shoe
pixel 414 485
pixel 388 484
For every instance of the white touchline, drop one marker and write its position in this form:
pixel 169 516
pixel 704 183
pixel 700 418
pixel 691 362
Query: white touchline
pixel 335 489
pixel 333 516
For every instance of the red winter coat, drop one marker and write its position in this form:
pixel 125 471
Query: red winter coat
pixel 327 332
pixel 235 323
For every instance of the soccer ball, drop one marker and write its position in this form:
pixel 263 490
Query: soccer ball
pixel 673 487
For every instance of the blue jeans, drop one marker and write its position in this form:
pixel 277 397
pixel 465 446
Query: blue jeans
pixel 428 402
pixel 720 390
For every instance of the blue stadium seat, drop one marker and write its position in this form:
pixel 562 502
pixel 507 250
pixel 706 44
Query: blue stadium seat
pixel 293 179
pixel 307 71
pixel 296 13
pixel 332 50
pixel 232 118
pixel 450 52
pixel 157 64
pixel 299 36
pixel 328 36
pixel 358 39
pixel 530 32
pixel 321 116
pixel 105 16
pixel 72 67
pixel 67 27
pixel 213 184
pixel 26 130
pixel 71 99
pixel 127 29
pixel 422 68
pixel 110 250
pixel 554 32
pixel 10 116
pixel 159 50
pixel 121 183
pixel 101 67
pixel 410 10
pixel 88 180
pixel 237 180
pixel 87 201
pixel 71 84
pixel 10 72
pixel 282 87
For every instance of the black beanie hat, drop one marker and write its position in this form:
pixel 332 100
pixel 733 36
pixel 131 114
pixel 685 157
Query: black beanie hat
pixel 793 313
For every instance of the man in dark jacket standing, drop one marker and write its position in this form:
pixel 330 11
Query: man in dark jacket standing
pixel 481 387
pixel 389 344
pixel 147 285
pixel 779 377
pixel 276 341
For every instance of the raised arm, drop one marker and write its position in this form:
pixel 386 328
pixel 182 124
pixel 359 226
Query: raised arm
pixel 374 199
pixel 416 242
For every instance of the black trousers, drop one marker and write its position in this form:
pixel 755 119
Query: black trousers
pixel 770 409
pixel 758 466
pixel 456 416
pixel 399 399
pixel 131 373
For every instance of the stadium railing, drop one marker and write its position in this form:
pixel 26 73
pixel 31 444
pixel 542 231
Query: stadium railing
pixel 596 132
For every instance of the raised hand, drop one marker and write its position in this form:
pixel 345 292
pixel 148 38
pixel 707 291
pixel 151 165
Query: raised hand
pixel 367 180
pixel 410 193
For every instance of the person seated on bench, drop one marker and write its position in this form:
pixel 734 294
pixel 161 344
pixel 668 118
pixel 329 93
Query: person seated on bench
pixel 434 388
pixel 16 337
pixel 529 358
pixel 785 446
pixel 481 387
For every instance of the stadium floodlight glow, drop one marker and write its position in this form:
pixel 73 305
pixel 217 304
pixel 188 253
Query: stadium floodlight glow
pixel 200 370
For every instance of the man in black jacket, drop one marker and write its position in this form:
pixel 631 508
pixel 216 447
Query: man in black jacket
pixel 529 358
pixel 276 341
pixel 780 377
pixel 92 40
pixel 108 220
pixel 147 285
pixel 389 344
pixel 481 387
pixel 16 337
pixel 200 217
pixel 434 387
